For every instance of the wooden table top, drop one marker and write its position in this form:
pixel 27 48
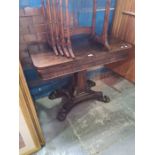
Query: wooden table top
pixel 87 55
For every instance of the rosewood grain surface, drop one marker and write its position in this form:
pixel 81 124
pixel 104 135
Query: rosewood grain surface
pixel 88 55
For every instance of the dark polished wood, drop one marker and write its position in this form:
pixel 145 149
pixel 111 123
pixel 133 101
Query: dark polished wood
pixel 88 54
pixel 78 92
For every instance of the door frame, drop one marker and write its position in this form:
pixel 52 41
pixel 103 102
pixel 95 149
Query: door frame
pixel 29 112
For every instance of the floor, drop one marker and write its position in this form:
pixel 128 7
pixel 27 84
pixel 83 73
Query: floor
pixel 92 128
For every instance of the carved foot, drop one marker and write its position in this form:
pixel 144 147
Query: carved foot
pixel 91 83
pixel 100 97
pixel 61 116
pixel 106 99
pixel 59 93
